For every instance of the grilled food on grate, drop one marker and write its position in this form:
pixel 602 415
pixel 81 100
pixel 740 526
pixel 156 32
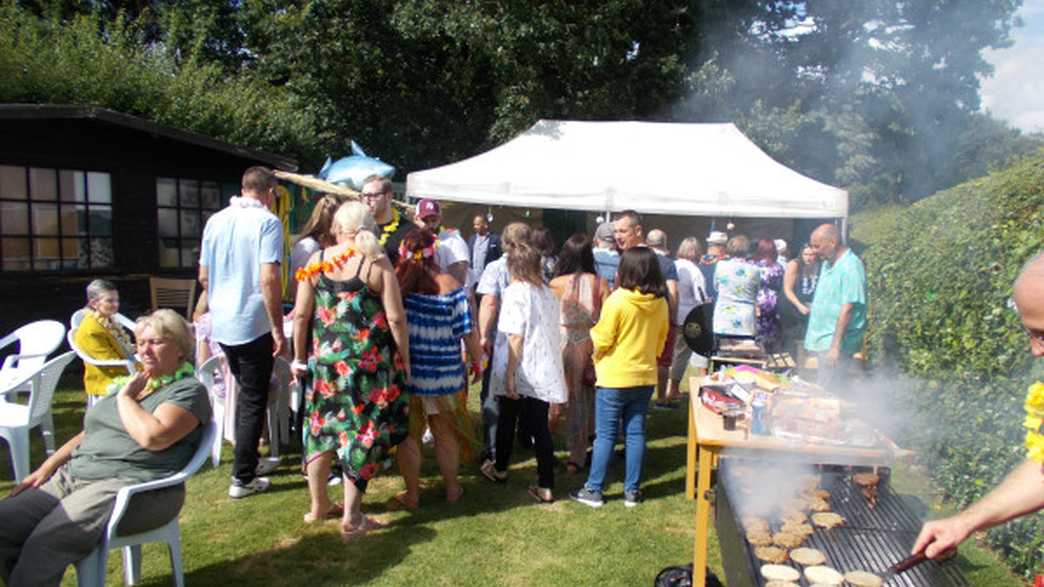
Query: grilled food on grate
pixel 818 505
pixel 781 584
pixel 868 483
pixel 827 519
pixel 755 524
pixel 787 540
pixel 759 537
pixel 802 529
pixel 823 575
pixel 771 554
pixel 780 573
pixel 863 579
pixel 791 516
pixel 807 556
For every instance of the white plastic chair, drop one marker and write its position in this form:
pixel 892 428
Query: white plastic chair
pixel 17 419
pixel 278 406
pixel 90 572
pixel 35 341
pixel 127 364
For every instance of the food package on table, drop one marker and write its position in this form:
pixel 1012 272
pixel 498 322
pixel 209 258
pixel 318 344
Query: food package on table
pixel 747 375
pixel 719 400
pixel 809 418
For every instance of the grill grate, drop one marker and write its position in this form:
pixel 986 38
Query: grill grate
pixel 870 540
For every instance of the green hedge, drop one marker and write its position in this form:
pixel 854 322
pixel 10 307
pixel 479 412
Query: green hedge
pixel 940 274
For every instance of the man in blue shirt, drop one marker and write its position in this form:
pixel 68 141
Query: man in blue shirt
pixel 239 269
pixel 838 318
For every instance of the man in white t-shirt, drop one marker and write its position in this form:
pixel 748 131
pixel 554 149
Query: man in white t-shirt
pixel 452 254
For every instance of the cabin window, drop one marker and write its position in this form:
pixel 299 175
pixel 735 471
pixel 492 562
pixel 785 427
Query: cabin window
pixel 182 209
pixel 55 219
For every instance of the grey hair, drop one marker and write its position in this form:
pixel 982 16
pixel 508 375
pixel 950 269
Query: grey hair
pixel 738 246
pixel 96 288
pixel 690 249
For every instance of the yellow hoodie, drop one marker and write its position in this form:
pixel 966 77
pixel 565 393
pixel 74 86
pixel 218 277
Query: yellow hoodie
pixel 628 337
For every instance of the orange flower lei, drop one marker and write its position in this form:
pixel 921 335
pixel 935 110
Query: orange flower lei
pixel 326 266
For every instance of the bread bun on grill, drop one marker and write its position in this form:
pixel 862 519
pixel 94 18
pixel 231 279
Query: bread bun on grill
pixel 780 573
pixel 787 540
pixel 807 556
pixel 771 554
pixel 827 519
pixel 823 575
pixel 863 579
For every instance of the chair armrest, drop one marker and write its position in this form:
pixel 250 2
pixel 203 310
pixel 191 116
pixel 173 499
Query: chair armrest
pixel 7 340
pixel 124 495
pixel 9 359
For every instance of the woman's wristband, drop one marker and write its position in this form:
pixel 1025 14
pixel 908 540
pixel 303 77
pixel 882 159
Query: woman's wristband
pixel 298 366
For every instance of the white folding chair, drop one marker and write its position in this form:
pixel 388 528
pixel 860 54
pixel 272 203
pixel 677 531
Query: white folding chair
pixel 74 324
pixel 90 572
pixel 17 419
pixel 278 413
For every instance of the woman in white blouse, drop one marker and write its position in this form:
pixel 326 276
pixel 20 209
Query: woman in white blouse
pixel 527 374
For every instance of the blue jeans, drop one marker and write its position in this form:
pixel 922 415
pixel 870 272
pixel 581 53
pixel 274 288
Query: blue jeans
pixel 613 405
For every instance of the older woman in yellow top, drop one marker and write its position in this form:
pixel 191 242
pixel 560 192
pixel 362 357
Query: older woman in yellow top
pixel 102 338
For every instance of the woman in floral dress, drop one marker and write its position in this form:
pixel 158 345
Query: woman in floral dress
pixel 737 281
pixel 357 406
pixel 769 332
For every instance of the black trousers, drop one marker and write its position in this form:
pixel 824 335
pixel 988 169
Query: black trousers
pixel 251 365
pixel 534 412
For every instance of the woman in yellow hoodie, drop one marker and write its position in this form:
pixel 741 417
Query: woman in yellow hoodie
pixel 629 336
pixel 102 338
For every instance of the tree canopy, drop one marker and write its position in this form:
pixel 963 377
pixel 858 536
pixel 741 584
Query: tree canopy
pixel 879 96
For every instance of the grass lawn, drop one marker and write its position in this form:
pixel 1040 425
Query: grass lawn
pixel 495 536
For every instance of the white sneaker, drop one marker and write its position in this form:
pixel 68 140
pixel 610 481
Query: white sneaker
pixel 266 465
pixel 259 484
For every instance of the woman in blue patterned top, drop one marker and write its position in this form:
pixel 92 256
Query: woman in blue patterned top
pixel 438 318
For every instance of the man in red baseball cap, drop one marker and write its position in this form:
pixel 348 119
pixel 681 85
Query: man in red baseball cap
pixel 452 252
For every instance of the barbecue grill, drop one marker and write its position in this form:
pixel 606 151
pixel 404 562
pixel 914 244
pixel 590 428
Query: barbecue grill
pixel 871 539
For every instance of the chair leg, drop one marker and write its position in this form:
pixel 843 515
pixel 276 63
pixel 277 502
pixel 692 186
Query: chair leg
pixel 174 545
pixel 273 430
pixel 18 440
pixel 88 572
pixel 47 429
pixel 219 438
pixel 132 564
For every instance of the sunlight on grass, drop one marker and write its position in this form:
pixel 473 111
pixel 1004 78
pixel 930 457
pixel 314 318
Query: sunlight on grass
pixel 495 536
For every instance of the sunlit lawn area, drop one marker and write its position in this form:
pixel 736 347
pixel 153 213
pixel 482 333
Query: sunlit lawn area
pixel 495 536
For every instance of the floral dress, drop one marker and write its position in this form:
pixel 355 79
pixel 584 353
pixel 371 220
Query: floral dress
pixel 769 333
pixel 737 281
pixel 357 405
pixel 580 308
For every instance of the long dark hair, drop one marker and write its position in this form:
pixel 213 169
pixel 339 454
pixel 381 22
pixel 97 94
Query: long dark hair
pixel 576 256
pixel 417 276
pixel 639 270
pixel 524 264
pixel 543 241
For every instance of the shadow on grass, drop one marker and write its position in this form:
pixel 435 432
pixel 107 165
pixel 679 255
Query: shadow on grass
pixel 323 558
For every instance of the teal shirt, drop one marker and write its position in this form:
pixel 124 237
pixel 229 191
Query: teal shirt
pixel 843 282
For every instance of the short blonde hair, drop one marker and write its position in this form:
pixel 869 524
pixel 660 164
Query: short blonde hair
pixel 689 249
pixel 353 217
pixel 169 324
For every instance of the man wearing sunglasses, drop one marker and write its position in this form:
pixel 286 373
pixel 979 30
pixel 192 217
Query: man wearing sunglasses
pixel 1022 491
pixel 392 224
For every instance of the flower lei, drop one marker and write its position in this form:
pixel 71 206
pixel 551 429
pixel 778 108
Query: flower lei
pixel 327 266
pixel 244 202
pixel 154 383
pixel 420 254
pixel 1034 422
pixel 115 330
pixel 390 228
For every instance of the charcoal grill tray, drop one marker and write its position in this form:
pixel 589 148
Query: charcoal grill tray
pixel 871 539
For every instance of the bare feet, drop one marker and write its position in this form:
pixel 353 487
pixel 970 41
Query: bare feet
pixel 403 498
pixel 359 529
pixel 454 496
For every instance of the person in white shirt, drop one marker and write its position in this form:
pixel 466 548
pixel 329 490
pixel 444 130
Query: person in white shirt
pixel 692 292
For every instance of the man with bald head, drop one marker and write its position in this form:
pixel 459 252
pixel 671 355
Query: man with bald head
pixel 838 318
pixel 1022 492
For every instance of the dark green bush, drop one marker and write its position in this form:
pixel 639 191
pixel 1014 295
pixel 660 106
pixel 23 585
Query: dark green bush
pixel 53 61
pixel 940 276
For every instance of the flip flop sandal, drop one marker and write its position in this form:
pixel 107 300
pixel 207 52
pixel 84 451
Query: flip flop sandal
pixel 400 498
pixel 535 493
pixel 489 471
pixel 335 511
pixel 360 530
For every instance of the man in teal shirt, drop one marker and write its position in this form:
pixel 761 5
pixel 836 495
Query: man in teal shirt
pixel 838 318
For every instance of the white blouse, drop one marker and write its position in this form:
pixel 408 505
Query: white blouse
pixel 531 311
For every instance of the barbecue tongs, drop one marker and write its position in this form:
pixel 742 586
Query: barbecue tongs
pixel 902 566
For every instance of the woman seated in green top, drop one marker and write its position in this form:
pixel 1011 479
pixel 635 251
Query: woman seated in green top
pixel 147 428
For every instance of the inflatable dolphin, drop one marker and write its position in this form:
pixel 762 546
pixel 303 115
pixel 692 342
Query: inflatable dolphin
pixel 352 170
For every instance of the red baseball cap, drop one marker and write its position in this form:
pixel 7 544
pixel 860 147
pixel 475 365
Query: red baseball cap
pixel 428 207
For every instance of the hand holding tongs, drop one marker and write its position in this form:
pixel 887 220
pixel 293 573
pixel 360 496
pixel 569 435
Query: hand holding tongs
pixel 902 566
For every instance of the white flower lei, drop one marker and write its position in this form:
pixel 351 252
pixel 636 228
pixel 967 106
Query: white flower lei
pixel 244 202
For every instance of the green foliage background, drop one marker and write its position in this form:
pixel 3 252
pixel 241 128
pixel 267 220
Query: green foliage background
pixel 940 275
pixel 87 59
